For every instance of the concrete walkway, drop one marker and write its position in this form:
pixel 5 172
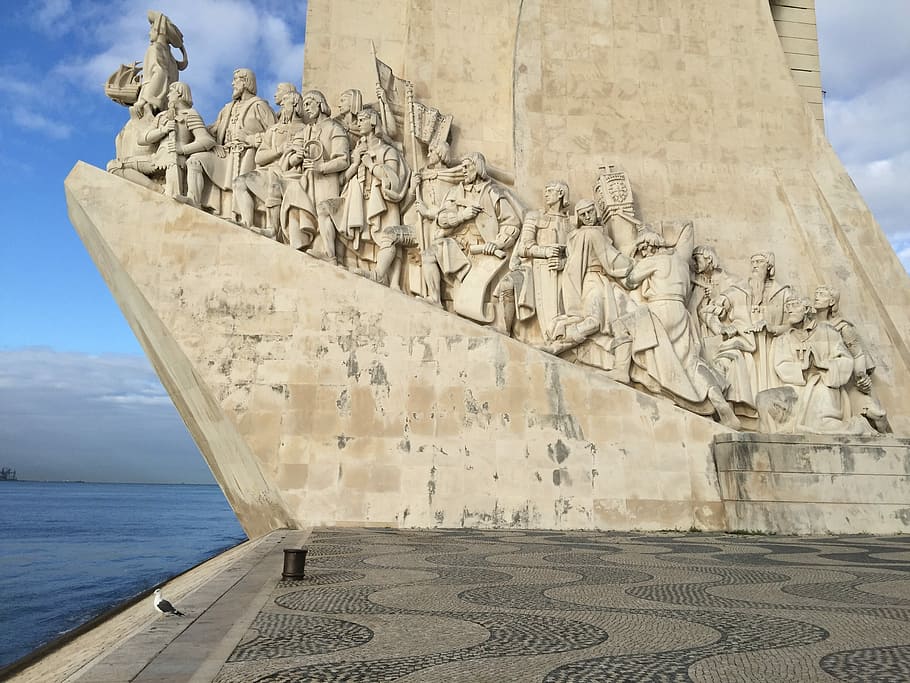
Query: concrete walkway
pixel 383 605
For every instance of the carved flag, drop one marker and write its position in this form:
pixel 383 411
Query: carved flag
pixel 396 89
pixel 431 126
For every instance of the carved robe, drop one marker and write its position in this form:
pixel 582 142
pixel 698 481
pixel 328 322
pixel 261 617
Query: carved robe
pixel 236 121
pixel 307 189
pixel 159 70
pixel 497 222
pixel 813 364
pixel 587 290
pixel 371 199
pixel 667 354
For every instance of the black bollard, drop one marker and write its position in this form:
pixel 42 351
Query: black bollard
pixel 294 563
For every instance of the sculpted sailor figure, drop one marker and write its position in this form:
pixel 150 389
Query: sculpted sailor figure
pixel 813 365
pixel 667 353
pixel 267 182
pixel 477 228
pixel 827 305
pixel 532 285
pixel 592 300
pixel 319 155
pixel 174 134
pixel 368 220
pixel 159 68
pixel 236 131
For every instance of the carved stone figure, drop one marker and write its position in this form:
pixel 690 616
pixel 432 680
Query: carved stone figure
pixel 592 298
pixel 721 306
pixel 159 68
pixel 814 365
pixel 667 354
pixel 532 287
pixel 268 181
pixel 477 225
pixel 827 305
pixel 430 185
pixel 368 219
pixel 350 102
pixel 173 135
pixel 767 298
pixel 236 132
pixel 318 156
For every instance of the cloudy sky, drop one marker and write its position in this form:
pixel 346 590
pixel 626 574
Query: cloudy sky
pixel 78 400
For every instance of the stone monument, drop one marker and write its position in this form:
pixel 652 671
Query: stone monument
pixel 363 320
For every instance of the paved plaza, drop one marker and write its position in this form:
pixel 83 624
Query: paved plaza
pixel 382 605
pixel 468 605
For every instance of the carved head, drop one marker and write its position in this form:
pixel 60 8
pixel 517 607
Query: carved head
pixel 370 121
pixel 796 309
pixel 314 105
pixel 439 152
pixel 474 166
pixel 161 28
pixel 763 265
pixel 178 92
pixel 282 90
pixel 585 212
pixel 649 242
pixel 556 194
pixel 350 101
pixel 826 298
pixel 704 259
pixel 244 81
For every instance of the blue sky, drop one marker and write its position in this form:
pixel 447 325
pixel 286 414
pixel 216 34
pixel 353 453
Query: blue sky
pixel 78 400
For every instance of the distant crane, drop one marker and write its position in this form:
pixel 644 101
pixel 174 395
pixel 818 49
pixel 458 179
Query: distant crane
pixel 7 474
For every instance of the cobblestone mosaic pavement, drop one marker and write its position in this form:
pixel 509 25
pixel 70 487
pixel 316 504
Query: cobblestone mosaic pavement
pixel 388 605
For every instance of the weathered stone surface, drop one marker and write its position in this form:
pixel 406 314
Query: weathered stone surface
pixel 814 484
pixel 321 397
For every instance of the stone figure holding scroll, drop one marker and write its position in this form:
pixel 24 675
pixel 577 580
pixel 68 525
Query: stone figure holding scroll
pixel 478 226
pixel 159 68
pixel 813 365
pixel 268 181
pixel 667 354
pixel 236 131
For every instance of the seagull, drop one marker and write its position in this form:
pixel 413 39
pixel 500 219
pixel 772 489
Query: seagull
pixel 164 606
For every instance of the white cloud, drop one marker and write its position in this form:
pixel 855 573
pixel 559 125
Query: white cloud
pixel 32 120
pixel 865 58
pixel 220 36
pixel 92 417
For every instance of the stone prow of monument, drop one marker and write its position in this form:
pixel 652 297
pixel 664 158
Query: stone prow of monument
pixel 321 397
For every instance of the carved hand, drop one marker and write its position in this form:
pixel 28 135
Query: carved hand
pixel 220 151
pixel 863 382
pixel 470 212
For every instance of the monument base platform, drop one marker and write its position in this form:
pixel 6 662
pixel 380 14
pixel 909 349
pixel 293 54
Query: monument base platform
pixel 813 484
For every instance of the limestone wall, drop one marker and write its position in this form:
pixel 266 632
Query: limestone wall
pixel 809 484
